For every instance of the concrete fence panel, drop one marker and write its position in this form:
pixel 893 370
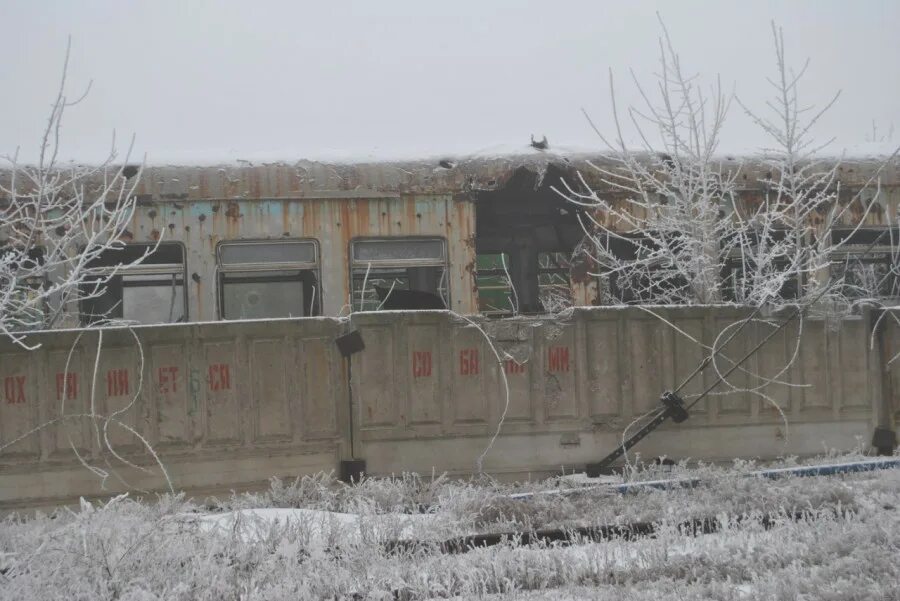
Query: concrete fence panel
pixel 429 393
pixel 223 405
pixel 227 405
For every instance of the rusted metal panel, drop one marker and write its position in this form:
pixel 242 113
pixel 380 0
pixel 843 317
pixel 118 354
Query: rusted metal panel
pixel 335 203
pixel 310 179
pixel 334 223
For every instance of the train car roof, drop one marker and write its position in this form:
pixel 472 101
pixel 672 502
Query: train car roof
pixel 463 177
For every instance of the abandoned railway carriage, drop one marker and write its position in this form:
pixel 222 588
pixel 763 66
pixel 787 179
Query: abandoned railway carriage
pixel 232 393
pixel 316 239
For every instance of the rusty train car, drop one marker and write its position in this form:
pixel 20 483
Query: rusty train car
pixel 227 403
pixel 306 239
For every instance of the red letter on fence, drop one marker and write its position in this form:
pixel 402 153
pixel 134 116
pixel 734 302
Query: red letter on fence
pixel 167 379
pixel 219 377
pixel 421 364
pixel 512 367
pixel 117 382
pixel 14 389
pixel 558 358
pixel 468 362
pixel 66 382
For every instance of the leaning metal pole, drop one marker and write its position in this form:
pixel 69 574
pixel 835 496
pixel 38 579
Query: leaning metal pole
pixel 673 405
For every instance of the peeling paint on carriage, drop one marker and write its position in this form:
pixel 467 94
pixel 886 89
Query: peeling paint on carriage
pixel 334 223
pixel 509 197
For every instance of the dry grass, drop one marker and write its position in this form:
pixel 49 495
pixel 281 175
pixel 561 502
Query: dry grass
pixel 141 551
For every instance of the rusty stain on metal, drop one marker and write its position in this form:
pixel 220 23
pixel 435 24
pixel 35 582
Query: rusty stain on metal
pixel 335 203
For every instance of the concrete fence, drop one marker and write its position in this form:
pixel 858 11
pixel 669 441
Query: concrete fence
pixel 227 405
pixel 428 390
pixel 224 405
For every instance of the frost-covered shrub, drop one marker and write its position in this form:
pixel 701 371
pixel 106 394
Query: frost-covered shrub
pixel 313 547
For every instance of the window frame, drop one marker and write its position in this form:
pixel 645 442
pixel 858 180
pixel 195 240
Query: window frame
pixel 443 263
pixel 145 269
pixel 864 252
pixel 224 269
pixel 354 264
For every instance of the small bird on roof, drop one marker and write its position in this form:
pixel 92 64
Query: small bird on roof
pixel 447 164
pixel 542 145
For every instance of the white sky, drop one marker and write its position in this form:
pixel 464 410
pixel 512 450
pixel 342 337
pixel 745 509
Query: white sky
pixel 201 81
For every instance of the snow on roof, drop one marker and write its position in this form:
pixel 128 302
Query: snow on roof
pixel 460 174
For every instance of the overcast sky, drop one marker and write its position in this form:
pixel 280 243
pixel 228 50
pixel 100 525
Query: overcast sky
pixel 203 81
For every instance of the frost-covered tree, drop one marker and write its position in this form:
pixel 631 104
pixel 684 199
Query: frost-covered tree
pixel 55 220
pixel 787 244
pixel 656 232
pixel 668 225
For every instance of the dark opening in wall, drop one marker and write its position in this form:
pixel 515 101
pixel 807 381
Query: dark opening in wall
pixel 536 231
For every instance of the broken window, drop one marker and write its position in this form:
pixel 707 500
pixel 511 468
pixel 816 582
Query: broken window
pixel 149 292
pixel 866 262
pixel 747 273
pixel 262 279
pixel 399 273
pixel 634 271
pixel 554 286
pixel 738 280
pixel 495 291
pixel 24 274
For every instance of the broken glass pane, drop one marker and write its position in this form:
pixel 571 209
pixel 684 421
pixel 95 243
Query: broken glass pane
pixel 144 299
pixel 399 288
pixel 161 302
pixel 269 294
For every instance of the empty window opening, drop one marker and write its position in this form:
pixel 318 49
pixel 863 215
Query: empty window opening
pixel 260 280
pixel 495 292
pixel 866 262
pixel 760 266
pixel 25 275
pixel 633 271
pixel 554 285
pixel 147 293
pixel 399 273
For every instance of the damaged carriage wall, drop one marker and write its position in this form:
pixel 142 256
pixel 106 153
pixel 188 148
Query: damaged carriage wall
pixel 478 205
pixel 228 405
pixel 333 222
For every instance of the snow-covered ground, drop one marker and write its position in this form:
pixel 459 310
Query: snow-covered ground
pixel 318 539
